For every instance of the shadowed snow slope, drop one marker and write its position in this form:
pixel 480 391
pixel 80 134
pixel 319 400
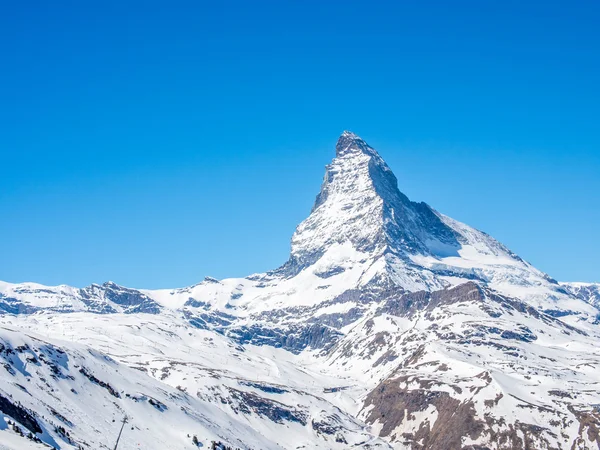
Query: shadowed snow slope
pixel 390 326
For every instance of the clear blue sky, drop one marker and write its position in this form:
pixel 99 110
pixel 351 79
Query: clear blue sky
pixel 155 143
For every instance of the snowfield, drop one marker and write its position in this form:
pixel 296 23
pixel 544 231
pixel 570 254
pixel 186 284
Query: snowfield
pixel 390 326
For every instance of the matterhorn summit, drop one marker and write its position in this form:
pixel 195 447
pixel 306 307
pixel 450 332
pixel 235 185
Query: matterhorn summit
pixel 360 217
pixel 390 326
pixel 360 206
pixel 360 203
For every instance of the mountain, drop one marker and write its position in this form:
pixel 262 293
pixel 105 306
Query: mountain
pixel 588 292
pixel 391 325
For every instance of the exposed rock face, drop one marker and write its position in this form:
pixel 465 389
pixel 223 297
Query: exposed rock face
pixel 393 405
pixel 427 418
pixel 20 414
pixel 412 303
pixel 294 339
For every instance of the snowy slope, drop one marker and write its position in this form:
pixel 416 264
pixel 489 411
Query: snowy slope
pixel 87 394
pixel 588 292
pixel 389 319
pixel 171 381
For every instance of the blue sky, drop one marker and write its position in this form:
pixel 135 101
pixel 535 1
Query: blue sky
pixel 155 143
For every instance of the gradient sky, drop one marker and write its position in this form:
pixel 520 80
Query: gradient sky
pixel 155 143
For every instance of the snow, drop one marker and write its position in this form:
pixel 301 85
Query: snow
pixel 249 361
pixel 199 362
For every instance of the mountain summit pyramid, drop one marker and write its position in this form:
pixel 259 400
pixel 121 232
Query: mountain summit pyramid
pixel 360 203
pixel 391 326
pixel 362 233
pixel 361 215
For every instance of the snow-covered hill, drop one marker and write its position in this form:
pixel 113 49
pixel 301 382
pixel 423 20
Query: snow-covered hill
pixel 172 381
pixel 389 319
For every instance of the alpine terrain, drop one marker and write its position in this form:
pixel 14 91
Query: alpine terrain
pixel 390 326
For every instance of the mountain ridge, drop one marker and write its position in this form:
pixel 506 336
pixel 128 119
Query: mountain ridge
pixel 361 215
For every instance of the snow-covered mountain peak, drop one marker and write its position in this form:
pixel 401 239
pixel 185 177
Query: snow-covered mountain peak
pixel 349 144
pixel 349 209
pixel 362 223
pixel 360 206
